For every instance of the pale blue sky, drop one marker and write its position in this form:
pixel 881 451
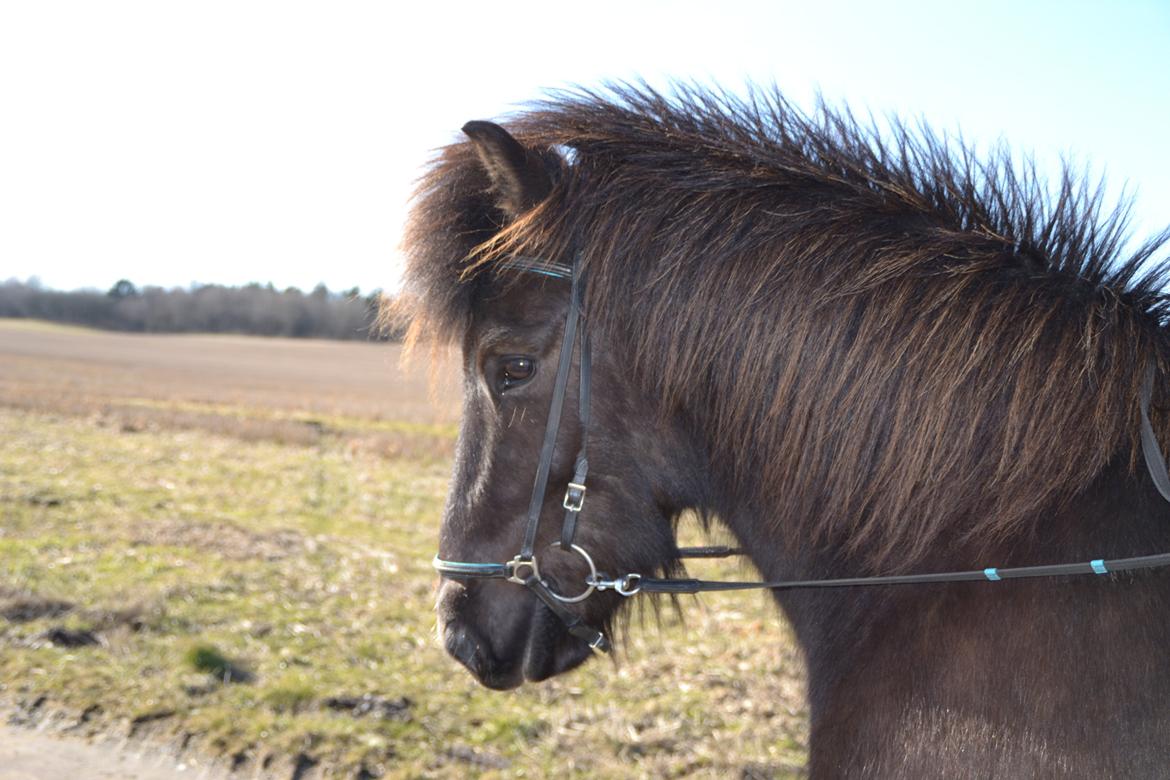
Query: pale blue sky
pixel 277 141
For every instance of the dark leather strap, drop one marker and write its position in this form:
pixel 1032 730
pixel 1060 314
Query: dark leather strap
pixel 553 423
pixel 468 570
pixel 712 551
pixel 1155 462
pixel 573 622
pixel 1098 567
pixel 581 464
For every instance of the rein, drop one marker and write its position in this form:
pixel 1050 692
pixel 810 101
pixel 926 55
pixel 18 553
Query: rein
pixel 523 568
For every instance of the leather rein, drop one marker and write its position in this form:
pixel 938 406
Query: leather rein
pixel 523 568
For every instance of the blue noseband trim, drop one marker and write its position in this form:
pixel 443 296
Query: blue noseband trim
pixel 468 569
pixel 992 574
pixel 1098 566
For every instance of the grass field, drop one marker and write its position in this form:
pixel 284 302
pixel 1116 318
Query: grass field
pixel 226 542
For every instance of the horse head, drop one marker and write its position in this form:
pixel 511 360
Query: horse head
pixel 517 346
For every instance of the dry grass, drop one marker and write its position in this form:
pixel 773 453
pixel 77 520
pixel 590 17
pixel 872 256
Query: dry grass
pixel 173 505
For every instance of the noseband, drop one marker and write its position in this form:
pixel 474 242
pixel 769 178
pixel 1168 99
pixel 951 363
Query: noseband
pixel 523 568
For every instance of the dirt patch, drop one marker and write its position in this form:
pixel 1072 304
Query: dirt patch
pixel 368 705
pixel 24 609
pixel 60 636
pixel 479 759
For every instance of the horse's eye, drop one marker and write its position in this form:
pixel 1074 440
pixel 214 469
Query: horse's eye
pixel 515 370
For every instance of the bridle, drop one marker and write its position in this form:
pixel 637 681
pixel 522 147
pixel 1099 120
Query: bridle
pixel 523 569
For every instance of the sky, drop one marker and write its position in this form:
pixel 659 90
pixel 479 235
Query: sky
pixel 229 142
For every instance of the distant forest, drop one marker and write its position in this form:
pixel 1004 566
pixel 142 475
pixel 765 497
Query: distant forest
pixel 253 309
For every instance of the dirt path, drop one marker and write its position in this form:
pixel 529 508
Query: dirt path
pixel 26 754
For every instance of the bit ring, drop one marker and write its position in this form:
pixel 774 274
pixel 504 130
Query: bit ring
pixel 589 580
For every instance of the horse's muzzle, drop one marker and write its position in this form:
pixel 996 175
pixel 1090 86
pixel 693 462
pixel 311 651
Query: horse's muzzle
pixel 505 641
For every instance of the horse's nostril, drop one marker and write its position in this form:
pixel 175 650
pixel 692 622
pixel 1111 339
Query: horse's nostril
pixel 463 648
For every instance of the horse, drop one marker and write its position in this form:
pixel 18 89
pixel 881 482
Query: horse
pixel 862 350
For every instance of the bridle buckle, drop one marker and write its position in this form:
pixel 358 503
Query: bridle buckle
pixel 513 567
pixel 574 497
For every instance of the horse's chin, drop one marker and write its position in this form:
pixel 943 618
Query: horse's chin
pixel 551 650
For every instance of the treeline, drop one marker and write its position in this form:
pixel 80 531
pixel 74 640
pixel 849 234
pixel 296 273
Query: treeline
pixel 253 309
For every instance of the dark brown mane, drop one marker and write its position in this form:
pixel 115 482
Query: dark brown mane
pixel 895 342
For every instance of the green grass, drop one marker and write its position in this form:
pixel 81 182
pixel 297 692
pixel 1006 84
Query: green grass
pixel 209 660
pixel 308 567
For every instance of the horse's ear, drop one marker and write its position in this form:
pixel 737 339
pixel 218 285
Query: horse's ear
pixel 519 175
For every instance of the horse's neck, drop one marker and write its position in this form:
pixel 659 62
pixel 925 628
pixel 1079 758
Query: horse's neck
pixel 1063 675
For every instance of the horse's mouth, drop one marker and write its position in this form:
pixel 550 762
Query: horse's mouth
pixel 545 651
pixel 550 649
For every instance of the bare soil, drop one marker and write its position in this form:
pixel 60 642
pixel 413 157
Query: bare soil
pixel 356 379
pixel 28 754
pixel 289 391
